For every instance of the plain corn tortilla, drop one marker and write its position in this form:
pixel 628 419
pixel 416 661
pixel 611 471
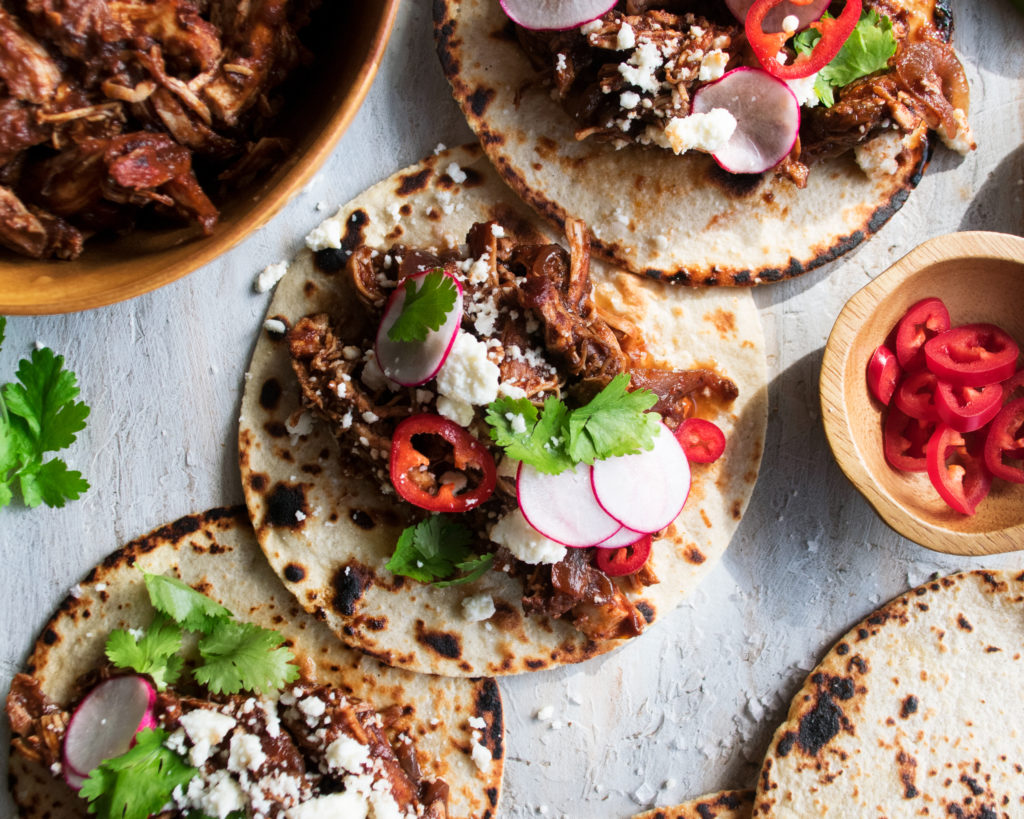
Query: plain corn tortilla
pixel 721 805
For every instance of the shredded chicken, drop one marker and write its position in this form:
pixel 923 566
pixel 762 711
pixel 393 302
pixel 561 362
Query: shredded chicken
pixel 158 82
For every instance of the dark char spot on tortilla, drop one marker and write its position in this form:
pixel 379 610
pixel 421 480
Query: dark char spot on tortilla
pixel 488 706
pixel 819 725
pixel 349 583
pixel 276 429
pixel 785 744
pixel 330 259
pixel 294 573
pixel 270 394
pixel 646 609
pixel 283 502
pixel 413 182
pixel 361 519
pixel 908 707
pixel 480 99
pixel 441 642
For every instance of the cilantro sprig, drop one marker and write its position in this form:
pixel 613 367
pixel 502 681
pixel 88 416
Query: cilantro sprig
pixel 235 656
pixel 615 422
pixel 867 50
pixel 434 550
pixel 39 414
pixel 426 307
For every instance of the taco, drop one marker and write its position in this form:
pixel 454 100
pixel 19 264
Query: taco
pixel 238 725
pixel 326 441
pixel 914 712
pixel 721 805
pixel 586 124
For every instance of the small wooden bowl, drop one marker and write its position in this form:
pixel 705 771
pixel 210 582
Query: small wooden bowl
pixel 354 36
pixel 980 277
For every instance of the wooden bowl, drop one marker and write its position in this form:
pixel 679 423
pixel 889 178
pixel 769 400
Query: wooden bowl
pixel 980 277
pixel 314 117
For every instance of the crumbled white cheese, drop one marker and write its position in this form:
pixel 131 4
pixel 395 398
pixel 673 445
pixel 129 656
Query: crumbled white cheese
pixel 299 423
pixel 312 706
pixel 326 234
pixel 275 327
pixel 349 805
pixel 516 420
pixel 507 390
pixel 217 796
pixel 478 607
pixel 373 376
pixel 963 140
pixel 347 754
pixel 592 27
pixel 205 729
pixel 351 353
pixel 497 231
pixel 879 156
pixel 790 23
pixel 271 275
pixel 700 132
pixel 639 69
pixel 803 89
pixel 455 410
pixel 477 722
pixel 441 147
pixel 458 176
pixel 519 537
pixel 468 374
pixel 480 754
pixel 560 63
pixel 712 65
pixel 546 713
pixel 245 753
pixel 480 270
pixel 626 38
pixel 629 100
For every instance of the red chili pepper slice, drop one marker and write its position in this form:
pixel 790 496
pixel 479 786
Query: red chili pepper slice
pixel 1013 387
pixel 965 482
pixel 916 396
pixel 972 355
pixel 923 321
pixel 883 374
pixel 626 559
pixel 409 465
pixel 834 32
pixel 1006 440
pixel 967 408
pixel 905 441
pixel 702 441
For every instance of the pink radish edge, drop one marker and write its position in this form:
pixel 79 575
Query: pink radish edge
pixel 624 537
pixel 563 507
pixel 92 737
pixel 554 15
pixel 415 362
pixel 653 503
pixel 767 118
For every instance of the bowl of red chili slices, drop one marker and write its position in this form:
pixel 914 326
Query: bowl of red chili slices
pixel 922 393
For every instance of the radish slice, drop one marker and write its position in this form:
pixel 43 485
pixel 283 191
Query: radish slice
pixel 624 537
pixel 562 507
pixel 74 780
pixel 105 724
pixel 805 14
pixel 767 118
pixel 646 491
pixel 554 14
pixel 414 362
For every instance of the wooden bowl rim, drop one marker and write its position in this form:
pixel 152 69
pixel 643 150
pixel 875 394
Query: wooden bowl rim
pixel 983 245
pixel 32 300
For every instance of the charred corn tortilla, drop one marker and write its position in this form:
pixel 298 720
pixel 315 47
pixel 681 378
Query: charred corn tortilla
pixel 650 211
pixel 915 711
pixel 329 536
pixel 217 553
pixel 721 805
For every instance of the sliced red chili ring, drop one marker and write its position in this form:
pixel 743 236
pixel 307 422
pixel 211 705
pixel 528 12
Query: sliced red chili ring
pixel 834 33
pixel 905 441
pixel 967 408
pixel 965 482
pixel 883 373
pixel 702 441
pixel 972 355
pixel 1013 387
pixel 1005 439
pixel 626 559
pixel 408 464
pixel 915 396
pixel 923 321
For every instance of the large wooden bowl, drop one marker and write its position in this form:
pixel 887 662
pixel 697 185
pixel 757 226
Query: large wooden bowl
pixel 980 277
pixel 350 43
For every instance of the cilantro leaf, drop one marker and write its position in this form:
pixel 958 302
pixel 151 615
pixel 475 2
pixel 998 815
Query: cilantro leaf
pixel 431 550
pixel 140 782
pixel 615 422
pixel 243 656
pixel 39 415
pixel 475 568
pixel 190 609
pixel 154 653
pixel 536 439
pixel 425 308
pixel 867 50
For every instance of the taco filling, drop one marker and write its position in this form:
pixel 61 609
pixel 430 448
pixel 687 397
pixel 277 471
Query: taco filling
pixel 517 371
pixel 244 733
pixel 646 73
